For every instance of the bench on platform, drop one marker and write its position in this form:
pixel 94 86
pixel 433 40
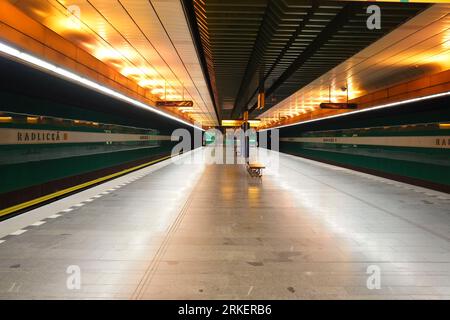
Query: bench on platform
pixel 255 169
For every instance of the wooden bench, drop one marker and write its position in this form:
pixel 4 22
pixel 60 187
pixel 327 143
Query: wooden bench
pixel 255 169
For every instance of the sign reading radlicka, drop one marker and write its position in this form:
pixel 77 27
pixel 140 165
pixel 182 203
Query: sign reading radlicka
pixel 27 136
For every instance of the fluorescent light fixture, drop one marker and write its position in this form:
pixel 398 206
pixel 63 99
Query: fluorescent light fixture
pixel 388 105
pixel 34 61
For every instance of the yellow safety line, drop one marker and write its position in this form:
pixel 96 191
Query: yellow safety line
pixel 74 188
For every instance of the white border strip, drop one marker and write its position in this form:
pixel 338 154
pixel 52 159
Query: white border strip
pixel 25 57
pixel 439 142
pixel 388 105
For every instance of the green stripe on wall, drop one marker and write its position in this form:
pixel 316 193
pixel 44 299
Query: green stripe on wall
pixel 22 175
pixel 423 171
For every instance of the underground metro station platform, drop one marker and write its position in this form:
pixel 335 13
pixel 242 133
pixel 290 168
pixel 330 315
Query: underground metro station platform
pixel 224 150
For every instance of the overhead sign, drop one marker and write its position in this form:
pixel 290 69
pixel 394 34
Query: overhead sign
pixel 181 103
pixel 232 123
pixel 336 105
pixel 238 123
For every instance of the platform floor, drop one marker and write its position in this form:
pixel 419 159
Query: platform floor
pixel 306 230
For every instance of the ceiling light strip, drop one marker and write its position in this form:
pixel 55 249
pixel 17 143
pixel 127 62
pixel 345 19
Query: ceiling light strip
pixel 32 60
pixel 388 105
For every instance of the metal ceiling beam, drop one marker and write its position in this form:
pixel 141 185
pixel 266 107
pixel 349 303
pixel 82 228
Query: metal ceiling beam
pixel 233 27
pixel 294 36
pixel 266 31
pixel 347 12
pixel 308 16
pixel 297 42
pixel 327 33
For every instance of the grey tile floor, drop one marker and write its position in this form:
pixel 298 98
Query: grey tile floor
pixel 195 231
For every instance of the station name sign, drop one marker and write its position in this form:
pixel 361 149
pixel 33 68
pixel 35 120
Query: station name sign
pixel 13 136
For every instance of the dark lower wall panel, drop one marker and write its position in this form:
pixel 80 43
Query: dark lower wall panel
pixel 408 142
pixel 425 174
pixel 22 175
pixel 26 181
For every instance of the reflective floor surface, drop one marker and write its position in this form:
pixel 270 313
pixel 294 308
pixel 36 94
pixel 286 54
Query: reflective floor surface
pixel 306 230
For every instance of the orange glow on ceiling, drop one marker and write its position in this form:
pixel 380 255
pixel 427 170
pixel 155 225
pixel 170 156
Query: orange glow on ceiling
pixel 104 29
pixel 419 47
